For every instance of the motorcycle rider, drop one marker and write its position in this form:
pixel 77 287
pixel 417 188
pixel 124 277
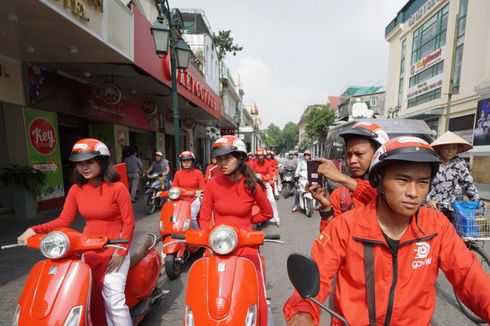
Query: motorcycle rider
pixel 105 204
pixel 362 140
pixel 387 254
pixel 301 173
pixel 261 167
pixel 190 178
pixel 291 161
pixel 211 170
pixel 159 165
pixel 269 157
pixel 229 198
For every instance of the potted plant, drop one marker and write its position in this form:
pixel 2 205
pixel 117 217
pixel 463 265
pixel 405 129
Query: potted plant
pixel 24 184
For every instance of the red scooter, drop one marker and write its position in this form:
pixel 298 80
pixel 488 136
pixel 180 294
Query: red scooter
pixel 223 288
pixel 57 290
pixel 175 218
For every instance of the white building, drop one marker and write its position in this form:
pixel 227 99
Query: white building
pixel 422 39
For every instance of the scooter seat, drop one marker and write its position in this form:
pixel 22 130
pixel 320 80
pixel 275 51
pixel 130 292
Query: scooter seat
pixel 141 243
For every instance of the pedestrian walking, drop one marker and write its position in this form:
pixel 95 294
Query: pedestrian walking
pixel 134 169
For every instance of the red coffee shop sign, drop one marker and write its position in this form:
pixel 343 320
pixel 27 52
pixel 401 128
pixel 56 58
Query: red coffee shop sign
pixel 42 136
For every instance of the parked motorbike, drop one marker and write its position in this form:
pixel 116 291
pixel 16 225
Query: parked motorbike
pixel 305 197
pixel 304 275
pixel 287 181
pixel 58 289
pixel 153 188
pixel 175 217
pixel 222 288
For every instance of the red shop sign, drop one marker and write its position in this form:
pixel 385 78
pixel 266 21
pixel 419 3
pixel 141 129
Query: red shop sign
pixel 42 136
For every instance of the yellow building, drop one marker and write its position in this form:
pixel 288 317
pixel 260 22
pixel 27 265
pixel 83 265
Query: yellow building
pixel 431 41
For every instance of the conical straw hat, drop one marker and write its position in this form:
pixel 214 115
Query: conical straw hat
pixel 451 138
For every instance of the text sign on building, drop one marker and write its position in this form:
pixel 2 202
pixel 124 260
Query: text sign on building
pixel 428 5
pixel 424 87
pixel 428 61
pixel 196 87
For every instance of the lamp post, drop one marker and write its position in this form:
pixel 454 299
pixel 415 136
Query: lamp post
pixel 168 34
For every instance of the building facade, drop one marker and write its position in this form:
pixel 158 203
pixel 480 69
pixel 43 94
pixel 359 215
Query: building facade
pixel 439 62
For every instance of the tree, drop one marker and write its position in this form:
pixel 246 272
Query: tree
pixel 290 135
pixel 272 136
pixel 318 121
pixel 224 44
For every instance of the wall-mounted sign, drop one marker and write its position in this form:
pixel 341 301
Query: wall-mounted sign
pixel 429 4
pixel 42 136
pixel 424 87
pixel 197 88
pixel 88 13
pixel 188 123
pixel 149 107
pixel 428 61
pixel 44 150
pixel 110 93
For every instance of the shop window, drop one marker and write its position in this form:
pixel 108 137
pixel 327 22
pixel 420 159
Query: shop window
pixel 401 81
pixel 462 123
pixel 373 101
pixel 424 98
pixel 458 60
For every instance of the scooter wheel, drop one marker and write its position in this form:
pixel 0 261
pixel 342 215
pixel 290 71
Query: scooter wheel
pixel 308 207
pixel 150 204
pixel 276 197
pixel 173 268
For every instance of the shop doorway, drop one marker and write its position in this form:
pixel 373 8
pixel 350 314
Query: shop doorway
pixel 70 130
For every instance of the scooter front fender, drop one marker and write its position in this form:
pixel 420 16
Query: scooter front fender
pixel 173 248
pixel 52 290
pixel 175 217
pixel 220 290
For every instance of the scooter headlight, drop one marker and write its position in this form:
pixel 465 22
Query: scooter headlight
pixel 74 316
pixel 55 245
pixel 223 240
pixel 251 319
pixel 15 322
pixel 174 193
pixel 189 316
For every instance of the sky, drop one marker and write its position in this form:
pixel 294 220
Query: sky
pixel 297 53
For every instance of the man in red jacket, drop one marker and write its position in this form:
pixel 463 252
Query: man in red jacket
pixel 361 141
pixel 387 254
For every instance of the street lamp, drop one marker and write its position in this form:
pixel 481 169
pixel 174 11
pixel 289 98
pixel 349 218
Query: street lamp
pixel 167 35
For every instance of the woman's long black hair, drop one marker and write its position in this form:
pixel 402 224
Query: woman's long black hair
pixel 108 172
pixel 248 173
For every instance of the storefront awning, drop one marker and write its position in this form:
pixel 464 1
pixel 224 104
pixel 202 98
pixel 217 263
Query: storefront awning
pixel 425 114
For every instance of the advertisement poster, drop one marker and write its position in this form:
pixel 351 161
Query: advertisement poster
pixel 44 150
pixel 481 136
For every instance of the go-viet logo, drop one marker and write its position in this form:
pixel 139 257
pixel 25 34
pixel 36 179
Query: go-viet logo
pixel 42 136
pixel 421 253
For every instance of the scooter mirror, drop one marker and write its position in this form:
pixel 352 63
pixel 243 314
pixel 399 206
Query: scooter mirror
pixel 304 275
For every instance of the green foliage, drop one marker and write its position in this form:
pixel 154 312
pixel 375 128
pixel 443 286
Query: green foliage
pixel 224 44
pixel 318 121
pixel 281 140
pixel 25 176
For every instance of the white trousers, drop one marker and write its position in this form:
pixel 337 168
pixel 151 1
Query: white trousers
pixel 272 200
pixel 116 310
pixel 195 207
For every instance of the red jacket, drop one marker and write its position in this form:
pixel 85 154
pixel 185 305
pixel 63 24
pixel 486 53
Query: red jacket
pixel 263 168
pixel 191 179
pixel 343 200
pixel 211 171
pixel 430 243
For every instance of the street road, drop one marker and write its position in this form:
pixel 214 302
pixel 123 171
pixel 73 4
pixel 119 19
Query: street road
pixel 297 231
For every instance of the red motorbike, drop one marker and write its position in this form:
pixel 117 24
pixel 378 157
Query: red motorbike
pixel 222 287
pixel 175 218
pixel 58 289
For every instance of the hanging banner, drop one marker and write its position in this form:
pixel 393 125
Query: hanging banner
pixel 44 150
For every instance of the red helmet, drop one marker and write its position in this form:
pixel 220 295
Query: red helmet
pixel 227 145
pixel 187 155
pixel 369 130
pixel 406 149
pixel 260 151
pixel 88 148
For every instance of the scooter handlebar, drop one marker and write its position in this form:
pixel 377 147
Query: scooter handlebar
pixel 272 237
pixel 178 236
pixel 117 241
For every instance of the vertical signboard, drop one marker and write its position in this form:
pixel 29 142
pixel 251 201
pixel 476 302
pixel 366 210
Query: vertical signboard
pixel 44 150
